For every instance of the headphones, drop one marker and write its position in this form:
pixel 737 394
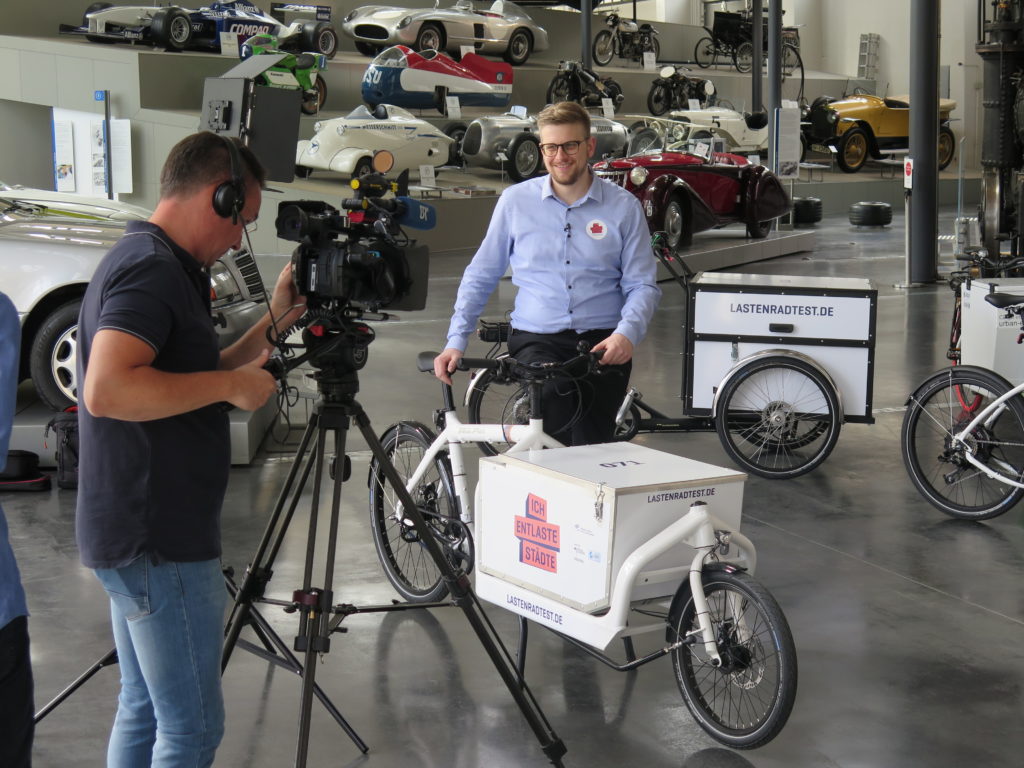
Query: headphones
pixel 229 197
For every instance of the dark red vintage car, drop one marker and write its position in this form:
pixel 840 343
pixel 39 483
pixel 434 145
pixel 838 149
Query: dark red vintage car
pixel 682 193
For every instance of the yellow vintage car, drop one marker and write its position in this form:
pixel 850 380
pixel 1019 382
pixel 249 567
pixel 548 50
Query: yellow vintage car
pixel 863 126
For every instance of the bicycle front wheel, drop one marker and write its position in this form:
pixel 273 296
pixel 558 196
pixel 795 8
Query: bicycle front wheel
pixel 497 399
pixel 405 558
pixel 778 417
pixel 745 702
pixel 939 409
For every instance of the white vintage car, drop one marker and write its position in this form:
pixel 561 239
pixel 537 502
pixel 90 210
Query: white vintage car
pixel 742 133
pixel 346 144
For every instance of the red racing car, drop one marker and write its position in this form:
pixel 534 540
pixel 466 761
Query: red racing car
pixel 682 193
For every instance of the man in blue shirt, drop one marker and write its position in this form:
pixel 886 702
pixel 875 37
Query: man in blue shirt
pixel 580 255
pixel 16 724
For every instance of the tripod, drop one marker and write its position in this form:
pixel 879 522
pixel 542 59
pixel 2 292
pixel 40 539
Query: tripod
pixel 338 349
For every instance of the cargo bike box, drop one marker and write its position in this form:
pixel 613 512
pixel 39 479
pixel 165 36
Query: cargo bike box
pixel 826 322
pixel 554 527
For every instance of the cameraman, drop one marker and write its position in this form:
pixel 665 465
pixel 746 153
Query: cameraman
pixel 155 447
pixel 579 251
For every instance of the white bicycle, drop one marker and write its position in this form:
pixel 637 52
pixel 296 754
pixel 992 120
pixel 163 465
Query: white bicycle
pixel 963 436
pixel 731 647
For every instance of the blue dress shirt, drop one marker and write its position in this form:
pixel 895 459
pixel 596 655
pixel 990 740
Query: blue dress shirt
pixel 12 596
pixel 578 267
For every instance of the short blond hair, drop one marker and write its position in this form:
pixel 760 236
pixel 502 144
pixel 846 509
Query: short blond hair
pixel 564 113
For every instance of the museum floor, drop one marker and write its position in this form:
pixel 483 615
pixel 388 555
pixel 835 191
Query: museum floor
pixel 909 625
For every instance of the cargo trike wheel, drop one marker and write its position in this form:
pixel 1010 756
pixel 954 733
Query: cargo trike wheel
pixel 778 417
pixel 745 701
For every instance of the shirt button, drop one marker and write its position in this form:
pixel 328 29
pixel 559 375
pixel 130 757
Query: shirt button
pixel 566 261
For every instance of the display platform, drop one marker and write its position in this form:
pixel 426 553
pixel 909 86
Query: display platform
pixel 31 417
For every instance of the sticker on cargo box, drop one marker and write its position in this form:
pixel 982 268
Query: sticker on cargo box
pixel 539 540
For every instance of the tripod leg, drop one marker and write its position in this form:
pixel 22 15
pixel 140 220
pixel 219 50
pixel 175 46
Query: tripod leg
pixel 463 596
pixel 259 570
pixel 315 604
pixel 109 658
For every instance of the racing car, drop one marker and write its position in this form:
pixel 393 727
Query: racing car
pixel 177 29
pixel 346 144
pixel 405 78
pixel 503 29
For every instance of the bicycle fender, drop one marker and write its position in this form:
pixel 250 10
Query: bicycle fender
pixel 740 365
pixel 389 435
pixel 914 396
pixel 682 595
pixel 474 380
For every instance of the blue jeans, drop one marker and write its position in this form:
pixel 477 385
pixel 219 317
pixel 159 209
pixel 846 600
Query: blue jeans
pixel 168 624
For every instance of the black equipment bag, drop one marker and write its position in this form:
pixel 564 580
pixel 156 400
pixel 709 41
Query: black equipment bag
pixel 22 473
pixel 65 428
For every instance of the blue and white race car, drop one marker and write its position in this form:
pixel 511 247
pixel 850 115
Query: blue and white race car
pixel 176 29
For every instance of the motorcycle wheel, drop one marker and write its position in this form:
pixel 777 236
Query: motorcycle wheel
pixel 560 89
pixel 603 48
pixel 658 99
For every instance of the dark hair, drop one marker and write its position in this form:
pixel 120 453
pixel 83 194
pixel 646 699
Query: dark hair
pixel 202 159
pixel 564 113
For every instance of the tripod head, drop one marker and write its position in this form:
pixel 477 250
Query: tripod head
pixel 337 345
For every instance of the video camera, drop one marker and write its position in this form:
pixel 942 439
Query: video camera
pixel 359 258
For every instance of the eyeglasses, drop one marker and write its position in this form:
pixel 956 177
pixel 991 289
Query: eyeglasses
pixel 569 147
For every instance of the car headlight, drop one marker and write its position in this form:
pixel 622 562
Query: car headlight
pixel 341 130
pixel 709 88
pixel 223 287
pixel 351 15
pixel 317 126
pixel 637 176
pixel 405 22
pixel 832 117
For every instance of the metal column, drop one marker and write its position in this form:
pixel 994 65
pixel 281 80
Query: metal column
pixel 774 77
pixel 923 226
pixel 586 12
pixel 756 21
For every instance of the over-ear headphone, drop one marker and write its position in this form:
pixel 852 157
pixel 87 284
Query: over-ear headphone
pixel 229 197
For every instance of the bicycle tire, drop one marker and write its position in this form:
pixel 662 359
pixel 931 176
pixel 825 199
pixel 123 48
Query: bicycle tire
pixel 705 53
pixel 497 399
pixel 406 561
pixel 745 702
pixel 939 408
pixel 778 417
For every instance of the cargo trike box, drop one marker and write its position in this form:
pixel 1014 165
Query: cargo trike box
pixel 733 317
pixel 559 523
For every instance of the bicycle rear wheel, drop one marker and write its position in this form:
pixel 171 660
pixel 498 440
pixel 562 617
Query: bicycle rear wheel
pixel 778 417
pixel 406 560
pixel 497 399
pixel 940 408
pixel 745 702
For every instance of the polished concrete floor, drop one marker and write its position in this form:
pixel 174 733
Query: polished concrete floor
pixel 909 626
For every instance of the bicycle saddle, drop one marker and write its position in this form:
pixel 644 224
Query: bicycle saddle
pixel 1003 300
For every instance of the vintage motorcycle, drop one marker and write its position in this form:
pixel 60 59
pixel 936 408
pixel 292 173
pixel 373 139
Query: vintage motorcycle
pixel 573 82
pixel 624 38
pixel 673 90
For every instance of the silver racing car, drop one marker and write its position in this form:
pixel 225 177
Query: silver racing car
pixel 504 29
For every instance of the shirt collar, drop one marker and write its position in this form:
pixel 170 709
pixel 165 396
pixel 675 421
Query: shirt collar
pixel 187 260
pixel 593 193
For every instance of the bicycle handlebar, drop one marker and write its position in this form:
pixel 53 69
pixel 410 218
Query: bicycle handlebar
pixel 517 371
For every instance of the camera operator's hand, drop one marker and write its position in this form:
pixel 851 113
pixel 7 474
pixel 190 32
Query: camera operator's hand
pixel 287 304
pixel 444 364
pixel 617 350
pixel 253 385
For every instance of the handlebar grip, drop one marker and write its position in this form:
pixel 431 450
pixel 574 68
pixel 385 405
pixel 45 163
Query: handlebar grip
pixel 469 363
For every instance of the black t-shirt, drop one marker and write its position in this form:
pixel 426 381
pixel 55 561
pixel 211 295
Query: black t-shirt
pixel 152 487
